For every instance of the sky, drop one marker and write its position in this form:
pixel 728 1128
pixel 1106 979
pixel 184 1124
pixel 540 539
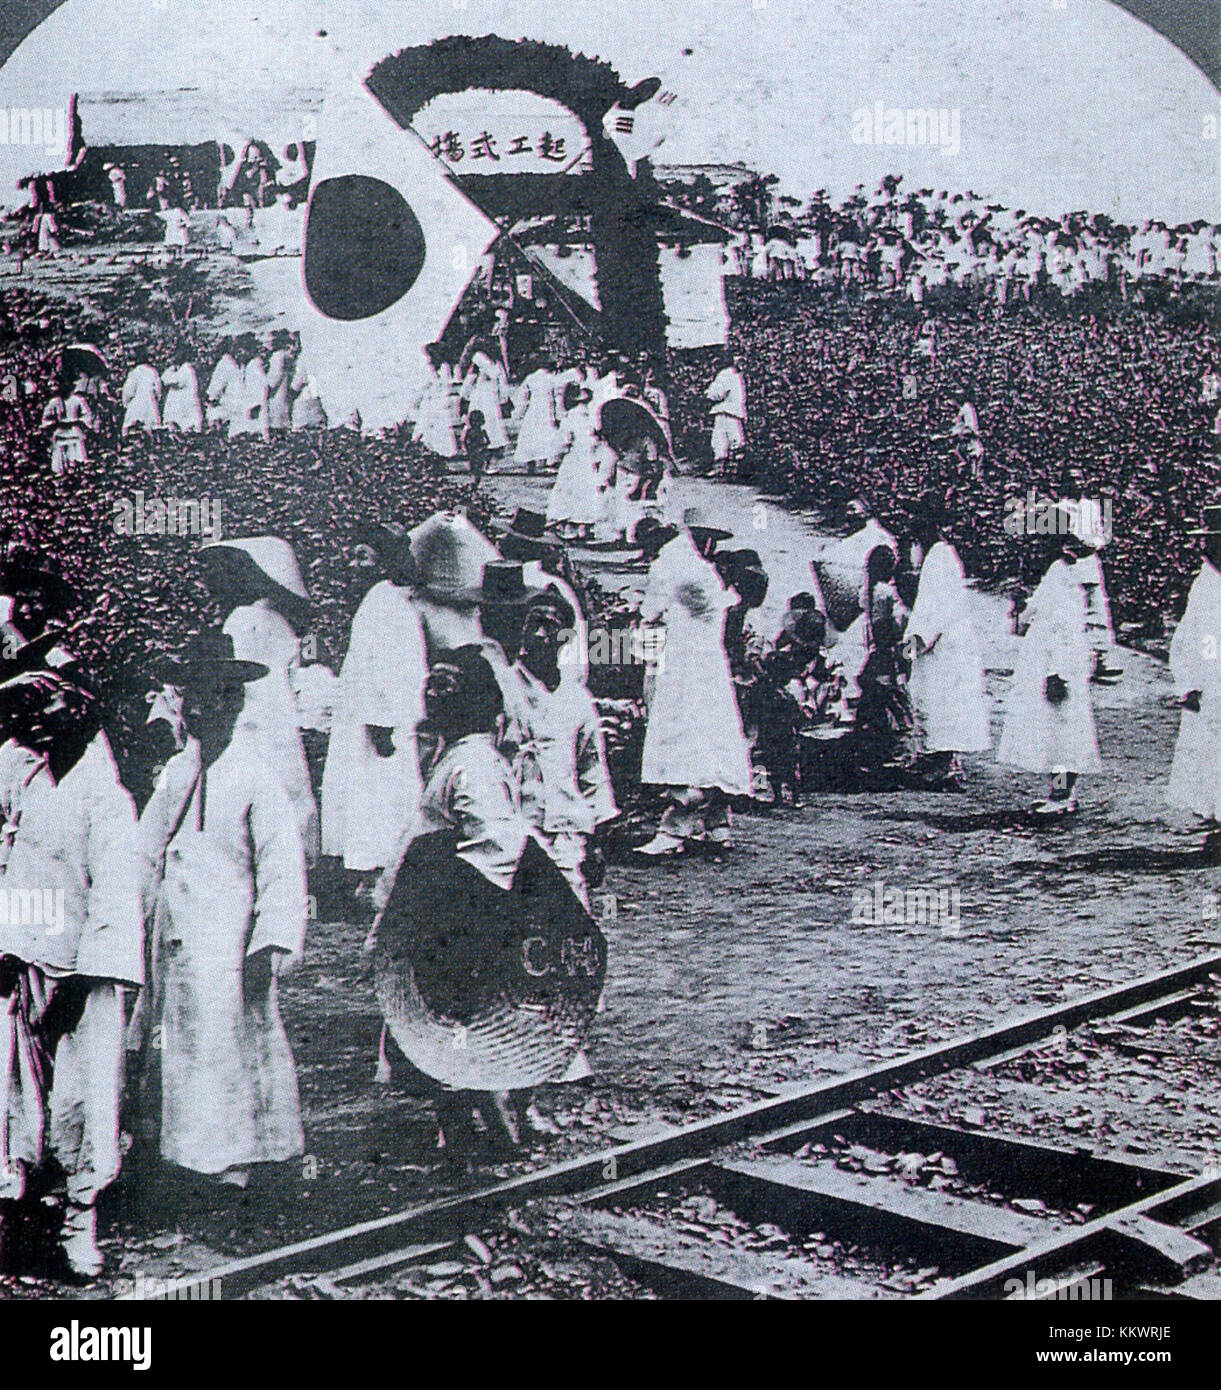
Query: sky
pixel 1059 108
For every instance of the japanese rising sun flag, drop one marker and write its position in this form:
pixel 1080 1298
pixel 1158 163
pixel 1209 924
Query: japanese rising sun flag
pixel 390 246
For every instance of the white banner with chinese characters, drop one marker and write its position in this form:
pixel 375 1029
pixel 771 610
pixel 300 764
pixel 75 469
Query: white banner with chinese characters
pixel 485 132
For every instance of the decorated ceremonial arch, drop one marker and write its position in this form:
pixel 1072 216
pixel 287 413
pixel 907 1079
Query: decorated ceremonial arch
pixel 624 211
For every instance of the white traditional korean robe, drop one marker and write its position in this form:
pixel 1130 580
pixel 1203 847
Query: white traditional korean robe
pixel 486 389
pixel 469 788
pixel 307 411
pixel 75 852
pixel 563 782
pixel 947 683
pixel 71 418
pixel 694 735
pixel 537 417
pixel 142 398
pixel 728 396
pixel 435 416
pixel 279 382
pixel 253 417
pixel 232 885
pixel 262 634
pixel 226 393
pixel 180 406
pixel 1039 736
pixel 577 495
pixel 1195 664
pixel 367 799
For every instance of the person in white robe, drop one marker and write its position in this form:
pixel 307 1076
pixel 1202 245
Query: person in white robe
pixel 267 602
pixel 561 775
pixel 371 784
pixel 469 789
pixel 65 967
pixel 536 420
pixel 177 229
pixel 1049 717
pixel 253 417
pixel 279 387
pixel 486 389
pixel 142 399
pixel 1195 665
pixel 226 393
pixel 224 879
pixel 577 501
pixel 68 416
pixel 694 744
pixel 946 683
pixel 181 409
pixel 307 413
pixel 563 781
pixel 727 394
pixel 436 415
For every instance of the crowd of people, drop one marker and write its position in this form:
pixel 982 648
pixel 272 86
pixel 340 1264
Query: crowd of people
pixel 913 242
pixel 354 671
pixel 872 401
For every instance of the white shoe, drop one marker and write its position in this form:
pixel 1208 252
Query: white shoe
pixel 79 1241
pixel 662 845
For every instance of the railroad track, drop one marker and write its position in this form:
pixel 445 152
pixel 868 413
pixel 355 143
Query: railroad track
pixel 794 1180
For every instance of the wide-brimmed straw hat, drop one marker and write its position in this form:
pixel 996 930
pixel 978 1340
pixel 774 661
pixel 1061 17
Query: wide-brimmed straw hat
pixel 272 557
pixel 450 556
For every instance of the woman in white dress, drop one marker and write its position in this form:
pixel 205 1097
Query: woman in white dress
pixel 181 409
pixel 1049 719
pixel 946 684
pixel 536 417
pixel 142 399
pixel 694 744
pixel 486 389
pixel 436 417
pixel 578 499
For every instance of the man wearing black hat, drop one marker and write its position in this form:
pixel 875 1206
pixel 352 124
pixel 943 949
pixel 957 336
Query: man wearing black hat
pixel 225 873
pixel 545 565
pixel 70 943
pixel 1195 664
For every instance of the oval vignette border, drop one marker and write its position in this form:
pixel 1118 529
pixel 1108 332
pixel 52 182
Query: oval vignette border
pixel 1193 26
